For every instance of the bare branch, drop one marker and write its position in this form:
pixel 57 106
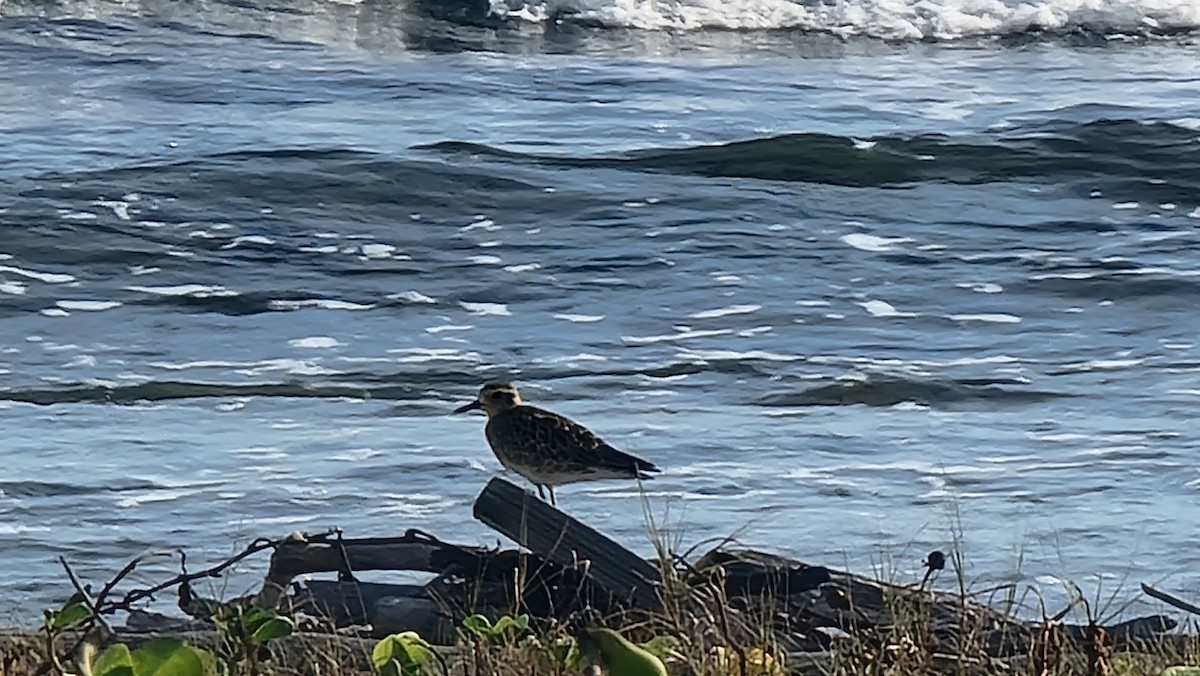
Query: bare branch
pixel 1170 600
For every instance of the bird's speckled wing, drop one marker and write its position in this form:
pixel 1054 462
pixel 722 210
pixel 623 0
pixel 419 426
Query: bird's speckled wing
pixel 531 436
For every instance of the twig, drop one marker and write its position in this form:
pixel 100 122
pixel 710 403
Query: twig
pixel 124 572
pixel 140 594
pixel 84 596
pixel 1170 600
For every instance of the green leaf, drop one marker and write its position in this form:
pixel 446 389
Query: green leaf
pixel 403 654
pixel 116 660
pixel 254 618
pixel 509 625
pixel 478 625
pixel 168 657
pixel 661 646
pixel 69 616
pixel 566 652
pixel 1180 671
pixel 272 628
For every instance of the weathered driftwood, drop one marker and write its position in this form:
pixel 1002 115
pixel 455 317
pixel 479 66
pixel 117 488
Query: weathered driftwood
pixel 556 537
pixel 807 601
pixel 1171 600
pixel 571 567
pixel 414 551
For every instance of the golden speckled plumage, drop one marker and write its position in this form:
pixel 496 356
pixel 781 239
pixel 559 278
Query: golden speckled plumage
pixel 546 448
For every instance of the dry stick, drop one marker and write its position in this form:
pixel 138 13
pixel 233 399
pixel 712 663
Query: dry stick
pixel 86 627
pixel 1170 600
pixel 83 594
pixel 139 594
pixel 133 596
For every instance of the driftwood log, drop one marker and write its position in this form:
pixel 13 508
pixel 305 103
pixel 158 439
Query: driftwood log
pixel 567 568
pixel 558 538
pixel 809 601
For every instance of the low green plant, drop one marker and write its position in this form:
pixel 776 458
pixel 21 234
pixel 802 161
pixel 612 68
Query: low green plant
pixel 158 657
pixel 56 622
pixel 404 654
pixel 69 617
pixel 245 634
pixel 507 628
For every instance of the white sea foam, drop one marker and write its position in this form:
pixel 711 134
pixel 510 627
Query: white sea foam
pixel 157 495
pixel 879 308
pixel 579 319
pixel 873 243
pixel 316 303
pixel 414 297
pixel 892 19
pixel 293 366
pixel 526 267
pixel 425 354
pixel 197 290
pixel 726 311
pixel 88 305
pixel 496 309
pixel 449 327
pixel 995 318
pixel 249 239
pixel 377 251
pixel 47 277
pixel 315 342
pixel 120 208
pixel 734 355
pixel 13 288
pixel 981 287
pixel 672 337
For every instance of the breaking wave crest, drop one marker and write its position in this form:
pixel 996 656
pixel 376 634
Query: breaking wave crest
pixel 887 19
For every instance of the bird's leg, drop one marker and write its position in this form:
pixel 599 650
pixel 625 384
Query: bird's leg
pixel 553 502
pixel 541 493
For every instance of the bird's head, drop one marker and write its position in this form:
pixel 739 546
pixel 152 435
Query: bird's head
pixel 493 398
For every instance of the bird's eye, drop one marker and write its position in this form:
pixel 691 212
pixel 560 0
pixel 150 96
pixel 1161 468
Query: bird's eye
pixel 495 396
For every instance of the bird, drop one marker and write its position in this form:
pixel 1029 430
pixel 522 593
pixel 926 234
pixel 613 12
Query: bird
pixel 546 448
pixel 618 655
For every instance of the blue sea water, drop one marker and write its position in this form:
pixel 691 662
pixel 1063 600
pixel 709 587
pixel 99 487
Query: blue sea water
pixel 865 278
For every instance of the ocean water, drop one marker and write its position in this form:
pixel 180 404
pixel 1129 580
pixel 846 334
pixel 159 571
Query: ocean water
pixel 866 277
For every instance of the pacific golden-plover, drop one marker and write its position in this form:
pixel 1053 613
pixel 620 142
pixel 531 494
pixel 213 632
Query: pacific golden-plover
pixel 546 448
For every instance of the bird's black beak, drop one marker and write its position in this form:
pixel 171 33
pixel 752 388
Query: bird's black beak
pixel 473 406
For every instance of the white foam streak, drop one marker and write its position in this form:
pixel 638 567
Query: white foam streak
pixel 13 288
pixel 579 319
pixel 315 342
pixel 283 305
pixel 47 277
pixel 88 305
pixel 494 309
pixel 197 290
pixel 892 19
pixel 873 243
pixel 879 308
pixel 672 337
pixel 994 318
pixel 726 311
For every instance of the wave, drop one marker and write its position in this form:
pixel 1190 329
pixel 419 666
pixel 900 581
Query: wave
pixel 886 19
pixel 290 176
pixel 457 25
pixel 1118 150
pixel 888 390
pixel 47 489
